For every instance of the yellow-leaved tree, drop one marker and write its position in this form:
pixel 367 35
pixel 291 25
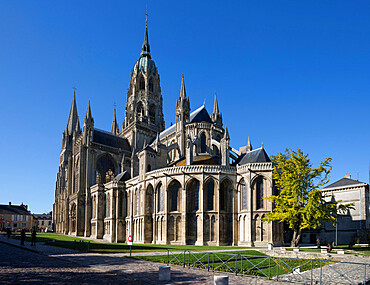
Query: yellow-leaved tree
pixel 299 201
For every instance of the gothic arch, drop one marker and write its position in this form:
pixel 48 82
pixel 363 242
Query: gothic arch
pixel 202 142
pixel 152 112
pixel 149 200
pixel 140 109
pixel 160 195
pixel 141 83
pixel 103 164
pixel 192 187
pixel 209 194
pixel 174 196
pixel 243 189
pixel 225 195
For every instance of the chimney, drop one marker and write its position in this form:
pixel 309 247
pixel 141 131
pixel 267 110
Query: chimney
pixel 347 176
pixel 10 203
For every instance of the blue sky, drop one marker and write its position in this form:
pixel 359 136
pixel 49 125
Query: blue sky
pixel 287 73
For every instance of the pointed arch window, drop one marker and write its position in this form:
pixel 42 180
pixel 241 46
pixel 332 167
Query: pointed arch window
pixel 243 189
pixel 141 83
pixel 152 113
pixel 140 109
pixel 259 194
pixel 160 198
pixel 174 188
pixel 193 196
pixel 137 201
pixel 203 146
pixel 210 194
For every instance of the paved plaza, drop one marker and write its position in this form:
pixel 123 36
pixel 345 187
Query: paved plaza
pixel 44 264
pixel 53 265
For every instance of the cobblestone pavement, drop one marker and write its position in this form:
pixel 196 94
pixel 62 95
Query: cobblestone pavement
pixel 54 265
pixel 20 266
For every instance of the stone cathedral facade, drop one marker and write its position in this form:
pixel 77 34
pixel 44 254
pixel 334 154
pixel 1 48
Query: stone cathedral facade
pixel 180 185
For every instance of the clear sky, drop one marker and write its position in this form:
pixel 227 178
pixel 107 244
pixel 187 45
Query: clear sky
pixel 287 73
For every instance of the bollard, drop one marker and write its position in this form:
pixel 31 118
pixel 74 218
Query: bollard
pixel 221 280
pixel 164 273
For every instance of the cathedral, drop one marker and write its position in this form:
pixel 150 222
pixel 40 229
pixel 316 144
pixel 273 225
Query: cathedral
pixel 180 185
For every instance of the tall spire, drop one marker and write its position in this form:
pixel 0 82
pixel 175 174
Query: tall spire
pixel 182 90
pixel 73 117
pixel 114 129
pixel 145 50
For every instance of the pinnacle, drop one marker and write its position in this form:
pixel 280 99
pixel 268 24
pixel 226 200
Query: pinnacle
pixel 215 107
pixel 182 90
pixel 73 116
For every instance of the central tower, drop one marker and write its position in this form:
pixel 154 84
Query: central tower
pixel 143 112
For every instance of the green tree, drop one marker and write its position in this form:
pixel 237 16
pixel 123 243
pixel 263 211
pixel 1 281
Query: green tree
pixel 299 201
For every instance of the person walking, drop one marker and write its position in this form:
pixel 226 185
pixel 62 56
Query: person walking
pixel 33 237
pixel 318 244
pixel 23 236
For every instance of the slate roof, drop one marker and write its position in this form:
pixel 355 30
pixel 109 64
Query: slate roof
pixel 344 182
pixel 197 116
pixel 123 176
pixel 257 155
pixel 42 216
pixel 108 139
pixel 13 210
pixel 200 115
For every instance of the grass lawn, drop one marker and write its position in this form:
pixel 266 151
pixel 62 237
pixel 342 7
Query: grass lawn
pixel 231 262
pixel 98 247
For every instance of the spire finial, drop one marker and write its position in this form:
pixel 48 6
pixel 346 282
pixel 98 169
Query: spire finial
pixel 146 47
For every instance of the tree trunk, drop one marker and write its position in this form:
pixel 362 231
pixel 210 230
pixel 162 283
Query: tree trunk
pixel 296 237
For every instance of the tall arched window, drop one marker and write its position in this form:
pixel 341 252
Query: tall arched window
pixel 137 201
pixel 151 85
pixel 152 113
pixel 103 165
pixel 259 193
pixel 210 194
pixel 140 109
pixel 160 198
pixel 243 190
pixel 203 146
pixel 174 192
pixel 142 83
pixel 107 206
pixel 193 196
pixel 149 200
